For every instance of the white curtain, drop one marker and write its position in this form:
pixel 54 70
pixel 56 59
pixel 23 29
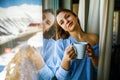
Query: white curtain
pixel 106 27
pixel 100 16
pixel 93 17
pixel 81 13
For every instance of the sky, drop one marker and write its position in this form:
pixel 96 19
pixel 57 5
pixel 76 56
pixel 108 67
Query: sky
pixel 8 3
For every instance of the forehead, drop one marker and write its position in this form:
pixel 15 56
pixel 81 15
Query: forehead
pixel 49 16
pixel 61 15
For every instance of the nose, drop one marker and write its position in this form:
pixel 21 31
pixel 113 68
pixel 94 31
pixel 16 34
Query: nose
pixel 66 21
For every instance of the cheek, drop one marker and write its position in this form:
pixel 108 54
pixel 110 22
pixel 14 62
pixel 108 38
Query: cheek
pixel 47 26
pixel 64 28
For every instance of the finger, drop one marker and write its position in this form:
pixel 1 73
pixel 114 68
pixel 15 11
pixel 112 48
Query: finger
pixel 88 46
pixel 73 55
pixel 90 53
pixel 69 49
pixel 71 52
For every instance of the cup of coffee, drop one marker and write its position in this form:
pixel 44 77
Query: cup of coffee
pixel 80 49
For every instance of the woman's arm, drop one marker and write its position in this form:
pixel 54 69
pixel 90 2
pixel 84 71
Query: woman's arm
pixel 63 58
pixel 45 73
pixel 90 51
pixel 68 56
pixel 36 58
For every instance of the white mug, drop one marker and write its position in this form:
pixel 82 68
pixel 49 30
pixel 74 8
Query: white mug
pixel 80 49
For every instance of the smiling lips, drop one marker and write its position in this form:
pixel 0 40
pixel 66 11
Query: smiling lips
pixel 70 24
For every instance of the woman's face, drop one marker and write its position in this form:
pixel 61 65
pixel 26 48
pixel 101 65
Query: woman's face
pixel 67 21
pixel 48 21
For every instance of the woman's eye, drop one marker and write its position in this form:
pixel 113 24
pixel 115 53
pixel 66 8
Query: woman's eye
pixel 48 22
pixel 67 16
pixel 61 22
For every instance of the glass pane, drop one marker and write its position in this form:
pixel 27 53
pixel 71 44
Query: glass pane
pixel 19 22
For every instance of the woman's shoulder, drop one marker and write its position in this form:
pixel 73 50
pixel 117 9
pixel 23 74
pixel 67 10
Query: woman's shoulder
pixel 60 42
pixel 94 38
pixel 63 42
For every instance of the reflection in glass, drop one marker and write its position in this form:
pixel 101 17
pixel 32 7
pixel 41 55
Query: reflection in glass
pixel 19 21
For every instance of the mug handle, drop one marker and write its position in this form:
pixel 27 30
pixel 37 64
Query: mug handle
pixel 74 48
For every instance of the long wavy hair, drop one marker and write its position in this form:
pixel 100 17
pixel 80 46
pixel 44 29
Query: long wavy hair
pixel 60 33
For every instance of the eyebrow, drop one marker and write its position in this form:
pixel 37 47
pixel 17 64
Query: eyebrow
pixel 65 16
pixel 60 21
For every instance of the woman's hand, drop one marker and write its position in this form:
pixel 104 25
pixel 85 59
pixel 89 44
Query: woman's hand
pixel 34 55
pixel 90 51
pixel 69 53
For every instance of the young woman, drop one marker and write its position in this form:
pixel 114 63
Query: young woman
pixel 68 32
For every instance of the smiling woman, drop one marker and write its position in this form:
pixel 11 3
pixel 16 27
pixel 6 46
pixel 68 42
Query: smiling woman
pixel 70 32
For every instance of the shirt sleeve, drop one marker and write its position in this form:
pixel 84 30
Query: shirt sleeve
pixel 96 51
pixel 60 73
pixel 45 73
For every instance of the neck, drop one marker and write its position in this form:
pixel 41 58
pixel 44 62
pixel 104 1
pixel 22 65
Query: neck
pixel 78 35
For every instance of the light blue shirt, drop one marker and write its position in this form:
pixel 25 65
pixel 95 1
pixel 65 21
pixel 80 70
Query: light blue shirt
pixel 80 69
pixel 47 72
